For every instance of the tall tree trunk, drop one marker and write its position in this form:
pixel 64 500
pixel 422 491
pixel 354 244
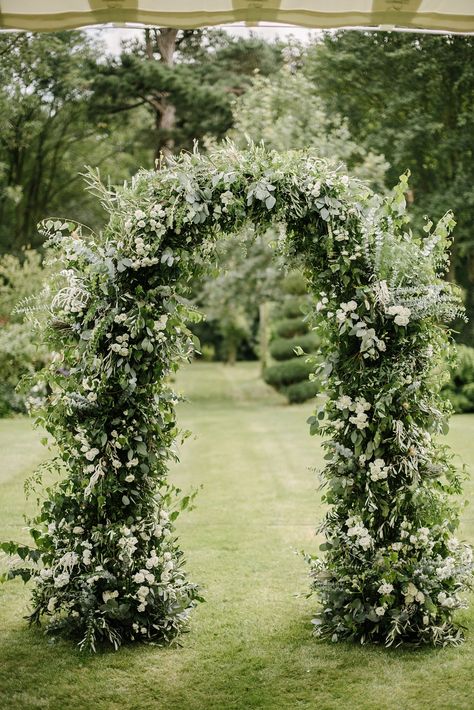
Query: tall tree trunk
pixel 165 112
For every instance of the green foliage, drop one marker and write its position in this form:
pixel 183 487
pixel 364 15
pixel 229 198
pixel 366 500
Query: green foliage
pixel 20 356
pixel 290 327
pixel 247 275
pixel 109 565
pixel 284 348
pixel 289 371
pixel 299 392
pixel 425 124
pixel 286 112
pixel 48 135
pixel 292 340
pixel 460 388
pixel 191 76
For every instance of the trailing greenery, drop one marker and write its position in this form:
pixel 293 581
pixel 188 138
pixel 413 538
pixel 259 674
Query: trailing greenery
pixel 106 563
pixel 459 390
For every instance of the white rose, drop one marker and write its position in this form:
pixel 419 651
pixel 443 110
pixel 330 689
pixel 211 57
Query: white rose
pixel 91 454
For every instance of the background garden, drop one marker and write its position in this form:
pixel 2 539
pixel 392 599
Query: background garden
pixel 64 104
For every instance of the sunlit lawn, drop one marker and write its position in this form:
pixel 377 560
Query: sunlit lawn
pixel 250 644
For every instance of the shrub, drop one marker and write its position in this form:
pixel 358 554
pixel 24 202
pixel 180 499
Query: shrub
pixel 288 372
pixel 299 392
pixel 289 327
pixel 292 307
pixel 19 357
pixel 284 348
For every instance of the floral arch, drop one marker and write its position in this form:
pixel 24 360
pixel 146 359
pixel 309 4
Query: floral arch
pixel 106 562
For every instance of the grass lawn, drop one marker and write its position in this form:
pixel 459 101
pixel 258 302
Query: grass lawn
pixel 250 644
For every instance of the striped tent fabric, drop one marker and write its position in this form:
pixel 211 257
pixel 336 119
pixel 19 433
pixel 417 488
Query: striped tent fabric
pixel 50 15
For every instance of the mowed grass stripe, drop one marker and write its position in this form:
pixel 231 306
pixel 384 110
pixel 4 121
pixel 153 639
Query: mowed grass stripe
pixel 250 644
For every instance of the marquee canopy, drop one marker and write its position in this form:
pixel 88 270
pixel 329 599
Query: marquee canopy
pixel 437 15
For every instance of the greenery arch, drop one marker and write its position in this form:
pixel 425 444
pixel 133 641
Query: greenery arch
pixel 106 563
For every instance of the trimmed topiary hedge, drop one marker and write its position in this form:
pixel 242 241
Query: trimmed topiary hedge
pixel 290 374
pixel 301 391
pixel 284 348
pixel 290 327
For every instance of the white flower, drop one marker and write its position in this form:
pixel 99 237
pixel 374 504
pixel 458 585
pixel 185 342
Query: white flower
pixel 345 311
pixel 143 592
pixel 91 454
pixel 360 420
pixel 380 610
pixel 61 580
pixel 365 542
pixel 139 578
pixel 452 544
pixel 446 601
pixel 344 402
pixel 385 588
pixel 413 594
pixel 78 530
pixel 52 604
pixel 401 313
pixel 141 607
pixel 109 595
pixel 92 396
pixel 129 478
pixel 378 470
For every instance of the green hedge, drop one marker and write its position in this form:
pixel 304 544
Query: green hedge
pixel 288 372
pixel 301 391
pixel 289 327
pixel 293 307
pixel 284 348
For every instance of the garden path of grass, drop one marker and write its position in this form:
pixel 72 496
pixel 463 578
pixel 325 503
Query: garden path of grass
pixel 250 644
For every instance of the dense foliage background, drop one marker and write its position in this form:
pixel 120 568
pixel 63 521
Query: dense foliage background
pixel 66 103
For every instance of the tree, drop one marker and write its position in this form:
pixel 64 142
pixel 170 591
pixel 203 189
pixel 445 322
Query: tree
pixel 248 276
pixel 47 135
pixel 286 112
pixel 410 97
pixel 185 80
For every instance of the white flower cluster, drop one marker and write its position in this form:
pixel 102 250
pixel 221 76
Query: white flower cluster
pixel 360 418
pixel 121 345
pixel 359 406
pixel 401 313
pixel 357 530
pixel 447 601
pixel 413 594
pixel 378 470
